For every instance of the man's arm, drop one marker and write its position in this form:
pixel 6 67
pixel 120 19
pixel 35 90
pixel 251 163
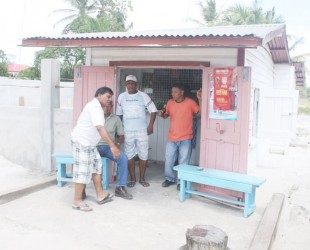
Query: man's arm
pixel 152 120
pixel 120 139
pixel 199 96
pixel 105 136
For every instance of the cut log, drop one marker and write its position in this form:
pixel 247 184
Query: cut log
pixel 206 237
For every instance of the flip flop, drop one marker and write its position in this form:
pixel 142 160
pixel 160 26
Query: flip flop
pixel 82 207
pixel 106 199
pixel 144 183
pixel 131 184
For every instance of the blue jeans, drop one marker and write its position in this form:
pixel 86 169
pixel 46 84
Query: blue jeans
pixel 122 164
pixel 181 150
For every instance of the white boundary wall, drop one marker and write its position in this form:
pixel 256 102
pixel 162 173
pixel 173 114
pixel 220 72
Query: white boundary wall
pixel 36 118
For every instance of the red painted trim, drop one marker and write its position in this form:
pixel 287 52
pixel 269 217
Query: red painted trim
pixel 158 63
pixel 250 42
pixel 241 57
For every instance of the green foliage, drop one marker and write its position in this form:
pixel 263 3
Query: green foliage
pixel 304 109
pixel 238 14
pixel 68 58
pixel 84 16
pixel 208 11
pixel 304 101
pixel 31 73
pixel 3 64
pixel 3 69
pixel 3 57
pixel 308 93
pixel 95 16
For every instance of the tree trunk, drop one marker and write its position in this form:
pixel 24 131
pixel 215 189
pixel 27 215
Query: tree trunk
pixel 204 237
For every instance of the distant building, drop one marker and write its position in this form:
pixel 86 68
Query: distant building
pixel 14 69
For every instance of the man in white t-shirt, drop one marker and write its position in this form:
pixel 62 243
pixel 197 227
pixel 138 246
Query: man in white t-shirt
pixel 87 161
pixel 132 106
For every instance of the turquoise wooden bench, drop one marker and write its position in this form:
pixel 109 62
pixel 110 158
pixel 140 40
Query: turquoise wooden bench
pixel 63 177
pixel 218 178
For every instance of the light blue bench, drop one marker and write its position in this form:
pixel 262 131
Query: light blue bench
pixel 222 179
pixel 63 177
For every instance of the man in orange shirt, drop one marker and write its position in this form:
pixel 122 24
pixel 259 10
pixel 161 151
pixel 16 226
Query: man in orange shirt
pixel 181 110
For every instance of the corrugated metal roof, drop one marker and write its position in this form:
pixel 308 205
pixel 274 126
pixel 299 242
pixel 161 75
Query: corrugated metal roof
pixel 236 36
pixel 259 31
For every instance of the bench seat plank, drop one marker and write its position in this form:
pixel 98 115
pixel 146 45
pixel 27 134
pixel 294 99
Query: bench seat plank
pixel 66 158
pixel 219 178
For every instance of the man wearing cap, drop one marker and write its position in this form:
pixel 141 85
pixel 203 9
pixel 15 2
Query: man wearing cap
pixel 132 106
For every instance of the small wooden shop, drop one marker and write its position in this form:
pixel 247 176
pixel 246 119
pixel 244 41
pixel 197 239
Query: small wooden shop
pixel 248 84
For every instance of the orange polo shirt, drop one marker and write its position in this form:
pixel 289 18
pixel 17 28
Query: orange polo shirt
pixel 181 119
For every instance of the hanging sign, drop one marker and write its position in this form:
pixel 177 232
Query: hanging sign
pixel 223 93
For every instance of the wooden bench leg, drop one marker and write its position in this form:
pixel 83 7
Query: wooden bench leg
pixel 246 205
pixel 182 190
pixel 61 173
pixel 188 187
pixel 105 173
pixel 249 203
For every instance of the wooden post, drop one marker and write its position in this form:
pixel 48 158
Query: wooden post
pixel 206 237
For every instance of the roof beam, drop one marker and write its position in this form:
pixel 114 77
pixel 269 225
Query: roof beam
pixel 237 42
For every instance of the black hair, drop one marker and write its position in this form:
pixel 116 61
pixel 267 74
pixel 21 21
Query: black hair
pixel 178 85
pixel 103 90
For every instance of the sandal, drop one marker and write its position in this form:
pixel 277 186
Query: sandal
pixel 106 199
pixel 82 207
pixel 131 184
pixel 144 183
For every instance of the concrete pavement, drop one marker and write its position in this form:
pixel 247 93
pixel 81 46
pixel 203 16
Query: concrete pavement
pixel 155 218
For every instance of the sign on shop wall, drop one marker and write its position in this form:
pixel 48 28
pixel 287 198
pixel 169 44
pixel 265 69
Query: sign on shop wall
pixel 223 94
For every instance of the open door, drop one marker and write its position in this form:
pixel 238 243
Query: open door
pixel 87 79
pixel 225 142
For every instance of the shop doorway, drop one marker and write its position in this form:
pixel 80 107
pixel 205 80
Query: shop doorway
pixel 157 83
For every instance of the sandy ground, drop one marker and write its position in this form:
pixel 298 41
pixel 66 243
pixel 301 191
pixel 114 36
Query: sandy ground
pixel 155 218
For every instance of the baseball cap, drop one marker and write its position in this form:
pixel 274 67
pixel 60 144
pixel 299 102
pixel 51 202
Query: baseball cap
pixel 131 78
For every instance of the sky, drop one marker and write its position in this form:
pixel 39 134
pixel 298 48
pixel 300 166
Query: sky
pixel 25 18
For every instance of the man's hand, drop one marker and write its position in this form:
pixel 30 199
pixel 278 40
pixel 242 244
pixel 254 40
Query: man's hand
pixel 115 151
pixel 150 129
pixel 162 113
pixel 199 94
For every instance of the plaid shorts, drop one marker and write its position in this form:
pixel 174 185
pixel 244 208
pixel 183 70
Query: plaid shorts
pixel 87 161
pixel 136 142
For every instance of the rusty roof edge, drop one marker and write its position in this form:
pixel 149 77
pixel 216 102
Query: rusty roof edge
pixel 280 32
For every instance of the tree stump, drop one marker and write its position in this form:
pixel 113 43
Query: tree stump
pixel 206 237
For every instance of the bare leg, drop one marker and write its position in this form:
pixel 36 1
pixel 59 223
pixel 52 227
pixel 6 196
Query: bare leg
pixel 142 167
pixel 98 186
pixel 78 191
pixel 131 168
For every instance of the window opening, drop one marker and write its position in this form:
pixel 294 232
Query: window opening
pixel 157 83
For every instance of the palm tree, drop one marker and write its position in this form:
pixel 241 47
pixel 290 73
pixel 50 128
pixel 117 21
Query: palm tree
pixel 79 18
pixel 208 11
pixel 94 15
pixel 112 14
pixel 238 14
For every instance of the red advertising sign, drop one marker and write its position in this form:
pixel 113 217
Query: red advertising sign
pixel 222 83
